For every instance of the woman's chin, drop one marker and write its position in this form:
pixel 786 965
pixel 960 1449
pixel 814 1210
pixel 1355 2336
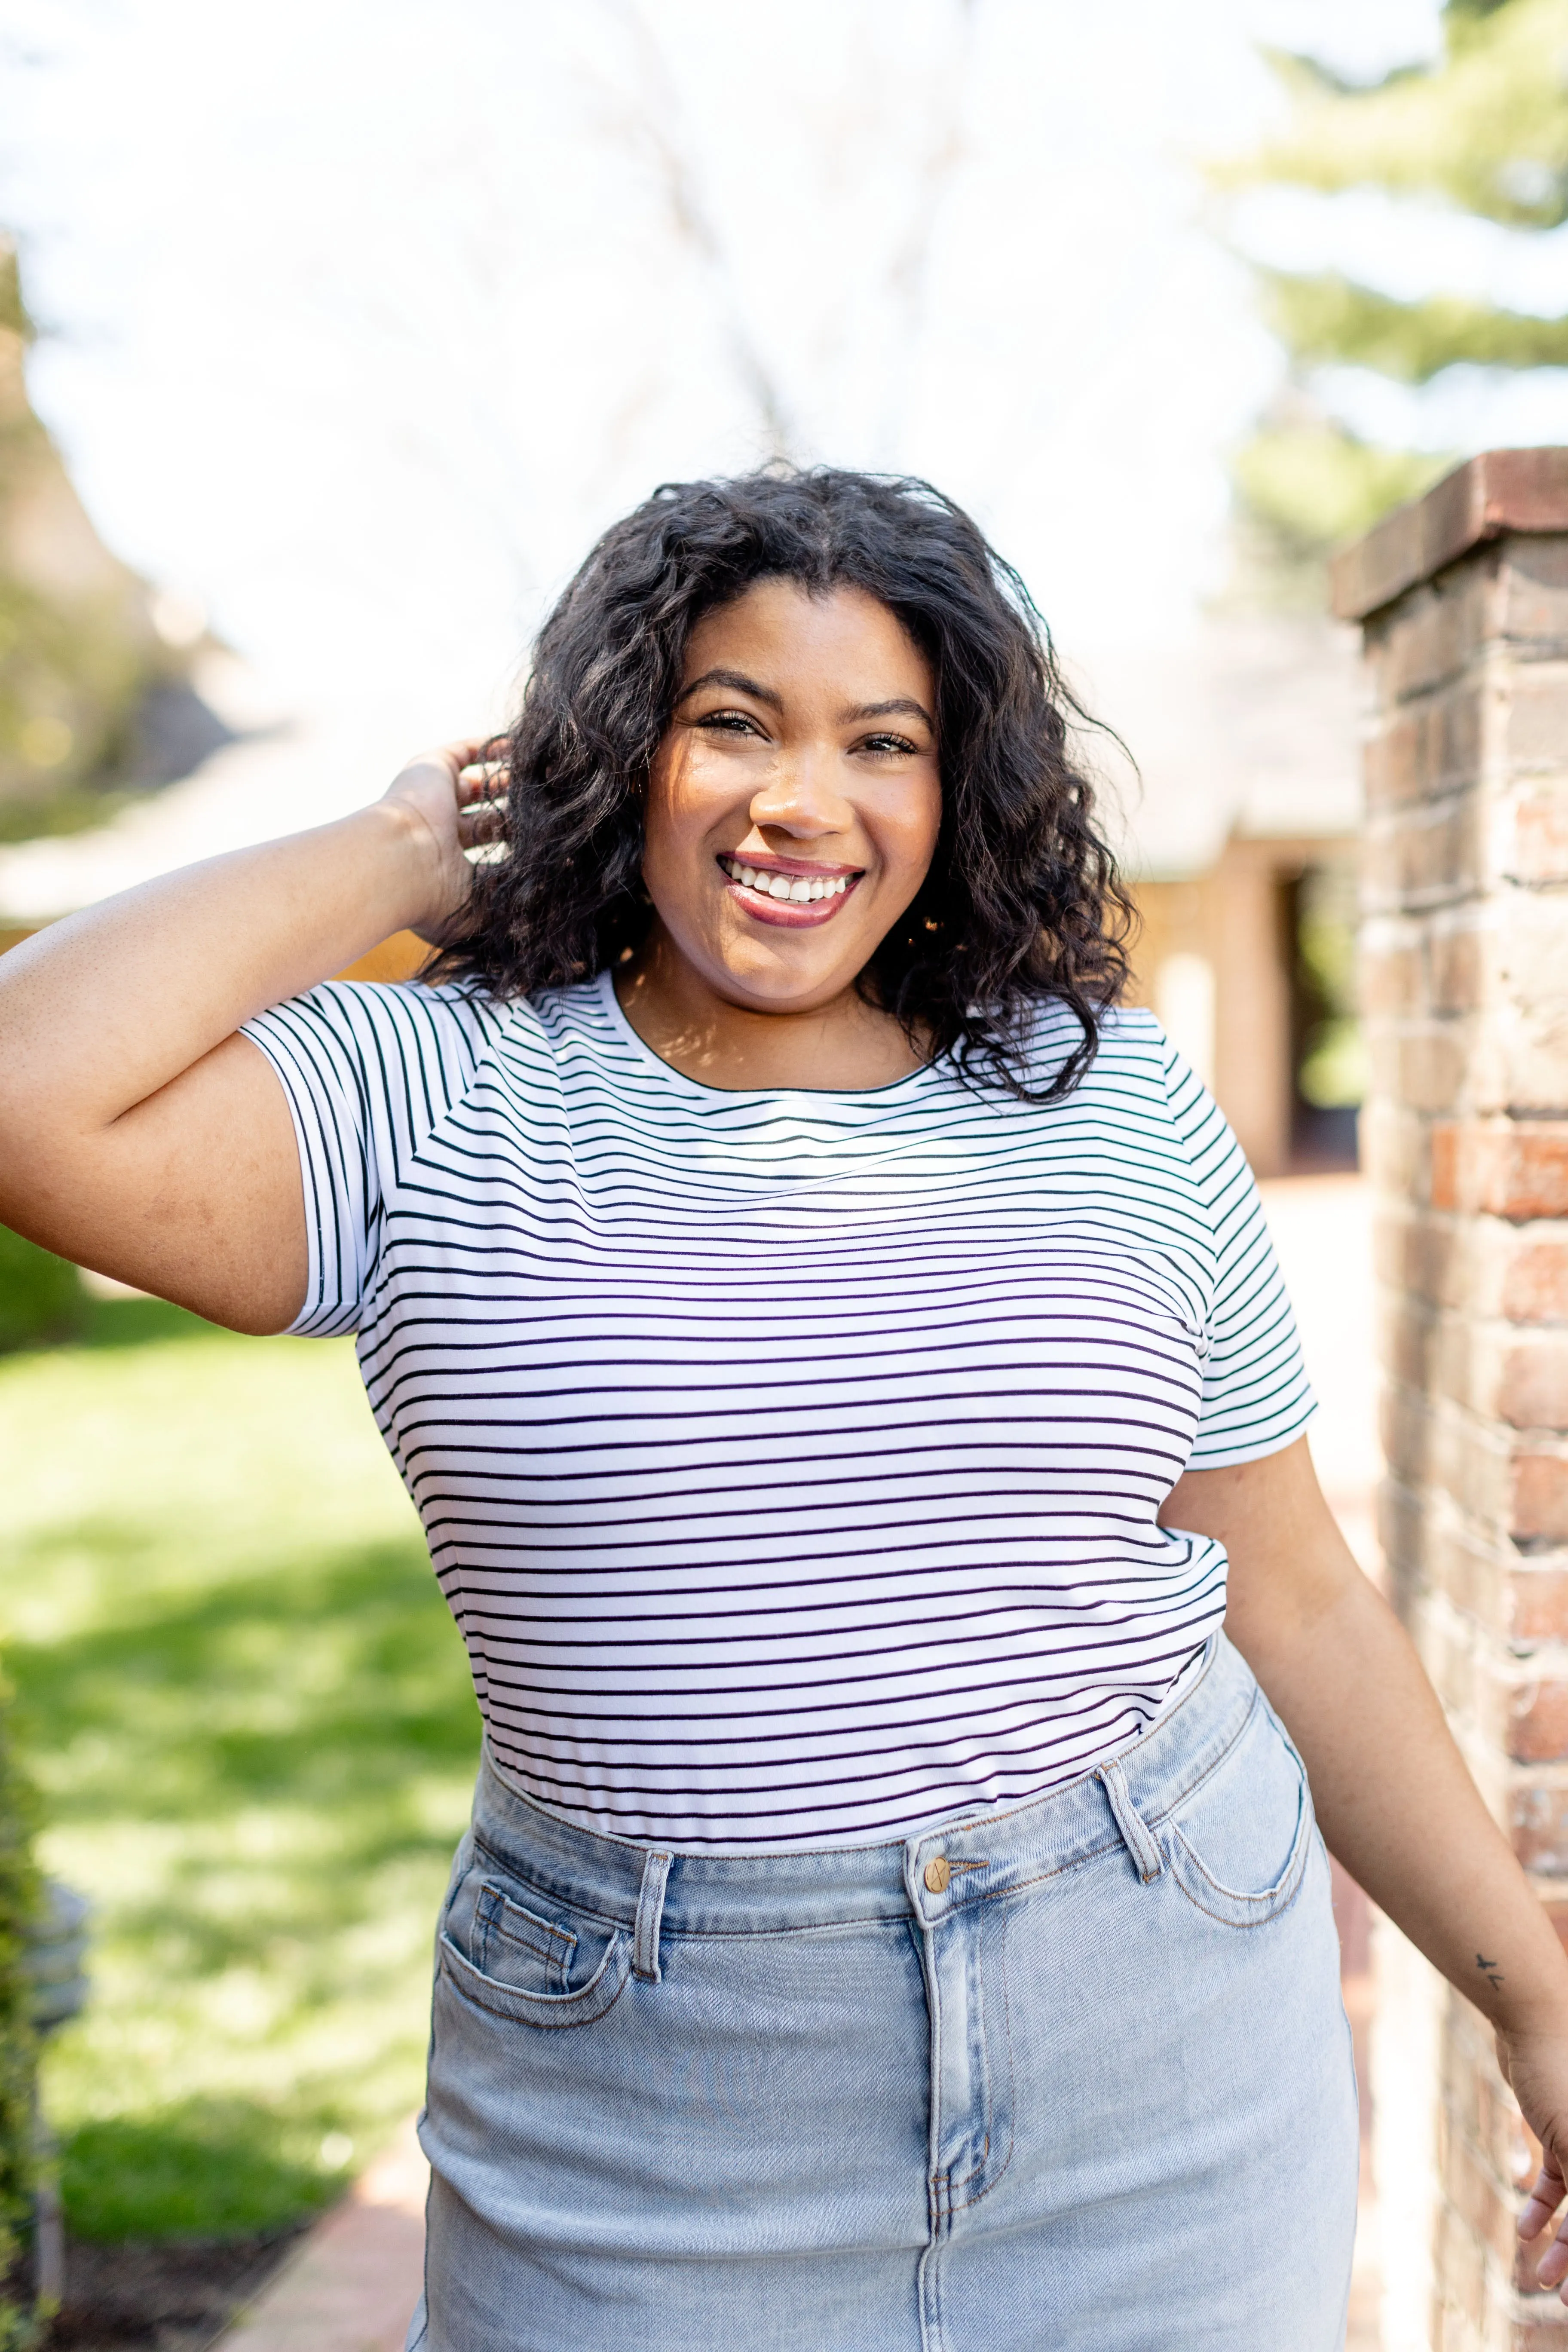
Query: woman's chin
pixel 794 981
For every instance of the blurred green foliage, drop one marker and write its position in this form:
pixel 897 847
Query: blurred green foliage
pixel 20 2319
pixel 1331 1071
pixel 78 650
pixel 41 1296
pixel 1313 486
pixel 1484 128
pixel 1323 319
pixel 250 1719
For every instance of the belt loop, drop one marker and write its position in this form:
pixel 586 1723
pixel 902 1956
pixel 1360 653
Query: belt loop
pixel 1130 1822
pixel 651 1912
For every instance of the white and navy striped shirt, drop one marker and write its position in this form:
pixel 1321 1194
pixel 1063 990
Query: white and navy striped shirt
pixel 790 1461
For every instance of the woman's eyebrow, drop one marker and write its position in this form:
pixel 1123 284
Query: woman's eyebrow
pixel 738 681
pixel 900 704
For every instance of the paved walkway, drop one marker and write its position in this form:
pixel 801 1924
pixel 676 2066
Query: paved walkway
pixel 356 2279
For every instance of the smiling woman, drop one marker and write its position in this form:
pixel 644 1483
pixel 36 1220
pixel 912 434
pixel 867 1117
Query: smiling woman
pixel 788 828
pixel 798 642
pixel 857 1421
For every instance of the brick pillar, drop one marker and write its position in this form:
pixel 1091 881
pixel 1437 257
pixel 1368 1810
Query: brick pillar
pixel 1463 598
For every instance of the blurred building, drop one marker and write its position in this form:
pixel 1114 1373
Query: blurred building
pixel 1240 834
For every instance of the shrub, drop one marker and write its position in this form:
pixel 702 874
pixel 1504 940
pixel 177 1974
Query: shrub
pixel 20 2319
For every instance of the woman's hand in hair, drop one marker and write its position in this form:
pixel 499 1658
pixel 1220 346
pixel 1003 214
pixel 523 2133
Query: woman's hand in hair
pixel 458 793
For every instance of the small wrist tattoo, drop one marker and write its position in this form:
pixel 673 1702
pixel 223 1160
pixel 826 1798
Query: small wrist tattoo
pixel 1490 1969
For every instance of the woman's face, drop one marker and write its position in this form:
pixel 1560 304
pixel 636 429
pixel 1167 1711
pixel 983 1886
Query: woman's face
pixel 794 803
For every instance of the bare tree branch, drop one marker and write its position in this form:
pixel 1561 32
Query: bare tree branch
pixel 910 276
pixel 658 127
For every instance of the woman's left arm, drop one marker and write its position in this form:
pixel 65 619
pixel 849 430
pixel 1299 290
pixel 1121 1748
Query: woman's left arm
pixel 1395 1802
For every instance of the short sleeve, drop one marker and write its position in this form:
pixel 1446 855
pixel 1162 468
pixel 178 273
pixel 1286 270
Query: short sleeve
pixel 1257 1397
pixel 368 1071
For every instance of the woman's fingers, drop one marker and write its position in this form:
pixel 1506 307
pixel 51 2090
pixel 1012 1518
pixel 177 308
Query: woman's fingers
pixel 481 800
pixel 481 782
pixel 1545 2196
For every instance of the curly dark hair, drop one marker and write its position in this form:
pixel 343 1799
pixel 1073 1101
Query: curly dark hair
pixel 1022 904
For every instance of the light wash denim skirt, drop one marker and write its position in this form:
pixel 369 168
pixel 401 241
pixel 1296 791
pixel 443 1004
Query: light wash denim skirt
pixel 1073 2075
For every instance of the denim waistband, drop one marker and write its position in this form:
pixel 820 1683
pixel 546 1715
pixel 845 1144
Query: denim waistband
pixel 931 1873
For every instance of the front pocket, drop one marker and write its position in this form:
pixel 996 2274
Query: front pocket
pixel 579 2007
pixel 1238 1846
pixel 517 1948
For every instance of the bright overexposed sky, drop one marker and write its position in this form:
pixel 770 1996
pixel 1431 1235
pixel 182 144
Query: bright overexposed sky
pixel 361 316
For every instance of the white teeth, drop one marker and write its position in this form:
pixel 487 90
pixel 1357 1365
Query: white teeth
pixel 802 888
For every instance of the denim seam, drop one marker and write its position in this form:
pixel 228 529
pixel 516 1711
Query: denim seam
pixel 1277 1897
pixel 1114 1841
pixel 583 1905
pixel 1191 1788
pixel 1079 1860
pixel 522 2016
pixel 965 2203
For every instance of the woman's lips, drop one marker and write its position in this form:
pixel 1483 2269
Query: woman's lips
pixel 789 914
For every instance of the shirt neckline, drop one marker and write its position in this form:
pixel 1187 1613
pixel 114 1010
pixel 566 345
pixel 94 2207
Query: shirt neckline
pixel 627 1037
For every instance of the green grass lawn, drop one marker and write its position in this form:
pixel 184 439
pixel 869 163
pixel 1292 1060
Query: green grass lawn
pixel 249 1716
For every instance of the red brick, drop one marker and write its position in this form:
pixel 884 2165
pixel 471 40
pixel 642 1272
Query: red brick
pixel 1393 767
pixel 1400 1522
pixel 1538 1823
pixel 1430 1064
pixel 1537 1603
pixel 1492 496
pixel 1538 1498
pixel 1462 1564
pixel 1533 1390
pixel 1531 598
pixel 1455 971
pixel 1430 853
pixel 1538 1724
pixel 1392 980
pixel 1531 957
pixel 1536 730
pixel 1515 1169
pixel 1538 848
pixel 1407 1426
pixel 1535 1286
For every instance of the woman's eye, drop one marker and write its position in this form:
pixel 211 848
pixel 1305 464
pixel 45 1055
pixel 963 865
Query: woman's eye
pixel 889 743
pixel 729 722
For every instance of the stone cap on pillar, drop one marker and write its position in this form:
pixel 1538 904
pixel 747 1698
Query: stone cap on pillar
pixel 1502 490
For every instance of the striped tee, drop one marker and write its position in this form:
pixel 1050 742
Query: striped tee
pixel 789 1460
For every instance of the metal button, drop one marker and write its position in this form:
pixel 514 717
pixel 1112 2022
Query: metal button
pixel 937 1874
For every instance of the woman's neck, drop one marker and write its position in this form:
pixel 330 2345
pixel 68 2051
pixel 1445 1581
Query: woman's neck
pixel 842 1046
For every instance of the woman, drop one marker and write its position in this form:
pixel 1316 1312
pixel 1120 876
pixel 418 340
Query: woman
pixel 836 1355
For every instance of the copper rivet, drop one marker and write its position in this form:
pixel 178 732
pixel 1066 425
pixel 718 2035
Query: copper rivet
pixel 937 1876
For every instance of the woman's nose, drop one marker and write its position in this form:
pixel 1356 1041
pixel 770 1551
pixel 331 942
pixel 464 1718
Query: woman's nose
pixel 802 795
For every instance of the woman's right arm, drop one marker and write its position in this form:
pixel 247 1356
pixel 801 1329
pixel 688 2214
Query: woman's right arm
pixel 139 1135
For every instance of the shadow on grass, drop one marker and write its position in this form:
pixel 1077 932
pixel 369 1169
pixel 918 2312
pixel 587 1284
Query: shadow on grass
pixel 336 1677
pixel 335 1687
pixel 213 2169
